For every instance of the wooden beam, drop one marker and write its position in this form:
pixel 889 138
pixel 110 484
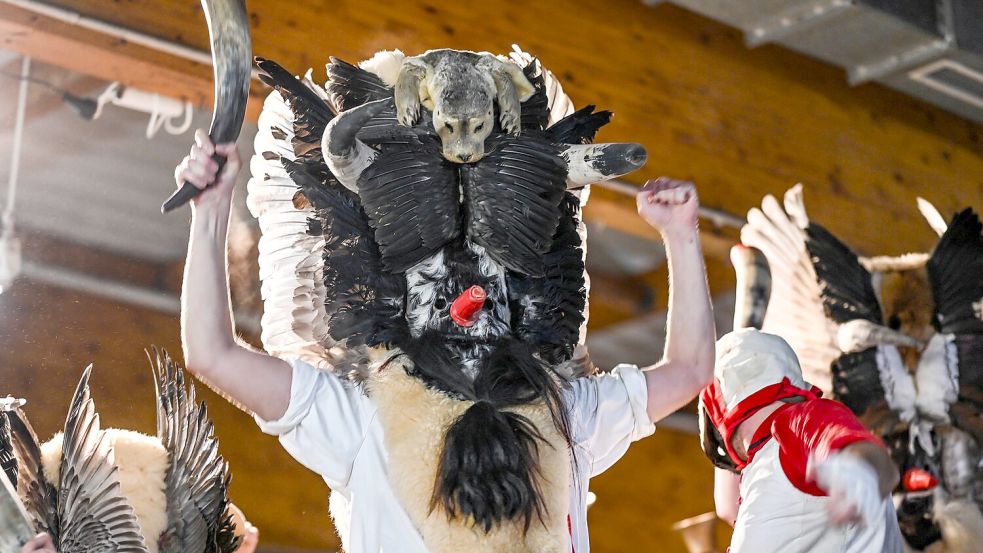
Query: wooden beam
pixel 111 59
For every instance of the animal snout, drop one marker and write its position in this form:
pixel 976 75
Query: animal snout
pixel 467 307
pixel 464 152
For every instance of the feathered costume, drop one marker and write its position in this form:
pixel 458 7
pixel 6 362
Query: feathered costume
pixel 108 491
pixel 459 285
pixel 900 342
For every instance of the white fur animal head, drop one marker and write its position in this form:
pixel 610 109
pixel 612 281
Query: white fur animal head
pixel 460 88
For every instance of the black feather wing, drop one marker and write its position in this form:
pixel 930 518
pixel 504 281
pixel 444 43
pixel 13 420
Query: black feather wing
pixel 350 86
pixel 955 270
pixel 92 512
pixel 549 310
pixel 579 127
pixel 363 301
pixel 847 290
pixel 24 451
pixel 512 197
pixel 197 478
pixel 311 112
pixel 856 380
pixel 411 197
pixel 535 114
pixel 847 293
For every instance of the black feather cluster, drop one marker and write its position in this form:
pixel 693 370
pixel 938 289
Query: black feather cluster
pixel 856 380
pixel 579 127
pixel 955 270
pixel 554 303
pixel 847 290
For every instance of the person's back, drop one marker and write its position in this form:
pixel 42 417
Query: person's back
pixel 812 478
pixel 783 510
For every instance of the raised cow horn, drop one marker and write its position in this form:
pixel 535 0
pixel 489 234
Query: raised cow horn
pixel 589 163
pixel 344 153
pixel 860 334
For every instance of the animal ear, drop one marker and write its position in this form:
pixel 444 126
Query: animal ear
pixel 407 90
pixel 512 88
pixel 523 87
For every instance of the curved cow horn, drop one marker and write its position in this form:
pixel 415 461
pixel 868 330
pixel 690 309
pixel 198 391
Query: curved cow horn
pixel 589 163
pixel 344 153
pixel 232 57
pixel 860 334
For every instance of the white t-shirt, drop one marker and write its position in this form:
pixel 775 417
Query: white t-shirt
pixel 776 516
pixel 331 428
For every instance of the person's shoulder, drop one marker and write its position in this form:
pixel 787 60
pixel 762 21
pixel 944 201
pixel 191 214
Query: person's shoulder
pixel 814 411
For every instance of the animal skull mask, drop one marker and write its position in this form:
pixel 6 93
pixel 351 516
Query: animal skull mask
pixel 460 89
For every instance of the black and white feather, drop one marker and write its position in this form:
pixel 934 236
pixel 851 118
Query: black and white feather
pixel 93 515
pixel 196 484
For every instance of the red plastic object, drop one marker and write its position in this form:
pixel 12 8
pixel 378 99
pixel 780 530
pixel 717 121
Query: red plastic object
pixel 467 306
pixel 918 480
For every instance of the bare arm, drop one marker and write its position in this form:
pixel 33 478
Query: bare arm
pixel 258 382
pixel 726 494
pixel 687 364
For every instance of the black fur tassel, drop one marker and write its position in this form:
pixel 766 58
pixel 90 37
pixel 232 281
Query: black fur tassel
pixel 488 469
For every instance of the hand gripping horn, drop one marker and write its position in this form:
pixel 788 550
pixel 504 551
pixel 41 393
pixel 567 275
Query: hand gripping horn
pixel 232 56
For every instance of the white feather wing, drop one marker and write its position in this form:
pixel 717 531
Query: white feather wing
pixel 795 309
pixel 290 263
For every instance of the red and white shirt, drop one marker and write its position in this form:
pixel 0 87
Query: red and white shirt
pixel 330 427
pixel 781 509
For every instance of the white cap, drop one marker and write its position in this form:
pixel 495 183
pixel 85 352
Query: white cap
pixel 749 360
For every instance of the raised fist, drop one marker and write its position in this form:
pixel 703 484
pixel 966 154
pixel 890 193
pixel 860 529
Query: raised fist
pixel 669 205
pixel 200 169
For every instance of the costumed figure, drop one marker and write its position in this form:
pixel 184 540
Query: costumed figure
pixel 94 490
pixel 898 340
pixel 423 247
pixel 811 479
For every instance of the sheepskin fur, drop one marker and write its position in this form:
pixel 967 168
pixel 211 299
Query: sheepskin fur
pixel 415 419
pixel 961 524
pixel 142 462
pixel 386 64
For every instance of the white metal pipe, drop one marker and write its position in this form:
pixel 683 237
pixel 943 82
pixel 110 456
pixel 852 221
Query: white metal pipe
pixel 117 31
pixel 8 208
pixel 110 289
pixel 122 292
